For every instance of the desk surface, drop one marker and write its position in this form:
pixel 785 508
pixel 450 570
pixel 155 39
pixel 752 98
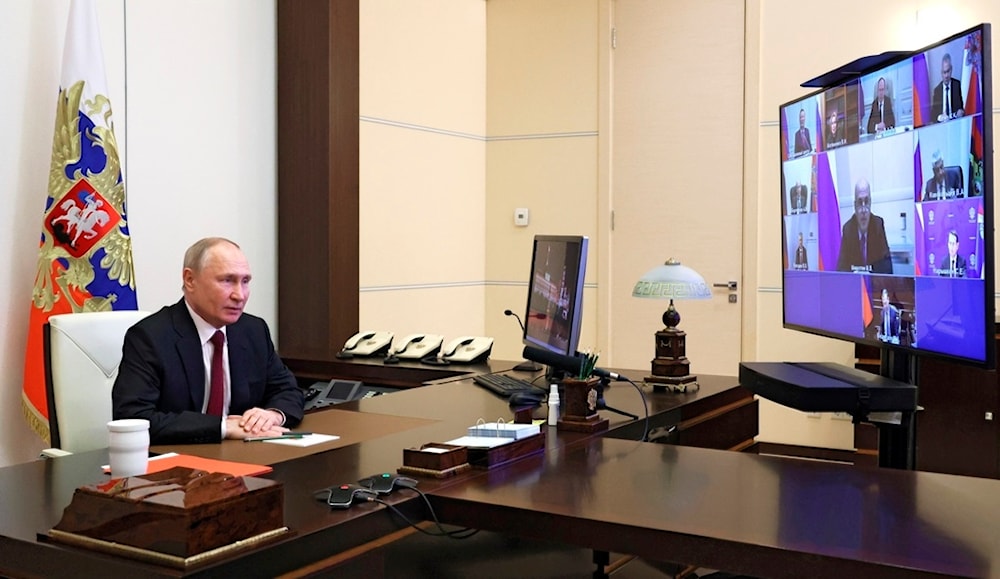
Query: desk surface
pixel 759 515
pixel 765 516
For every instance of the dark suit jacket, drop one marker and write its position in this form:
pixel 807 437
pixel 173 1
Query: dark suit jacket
pixel 937 101
pixel 878 247
pixel 888 118
pixel 959 267
pixel 801 258
pixel 890 329
pixel 803 144
pixel 800 197
pixel 952 182
pixel 162 376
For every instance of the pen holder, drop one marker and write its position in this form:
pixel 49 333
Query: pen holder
pixel 579 402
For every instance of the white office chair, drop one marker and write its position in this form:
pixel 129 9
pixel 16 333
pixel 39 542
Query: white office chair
pixel 82 353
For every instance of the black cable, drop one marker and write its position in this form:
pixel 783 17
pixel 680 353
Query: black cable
pixel 645 408
pixel 463 533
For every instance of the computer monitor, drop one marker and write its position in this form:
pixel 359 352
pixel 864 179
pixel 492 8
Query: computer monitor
pixel 555 293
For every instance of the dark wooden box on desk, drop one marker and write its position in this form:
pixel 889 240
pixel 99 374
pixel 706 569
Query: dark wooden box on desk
pixel 180 512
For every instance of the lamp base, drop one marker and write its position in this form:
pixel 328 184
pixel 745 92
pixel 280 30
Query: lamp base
pixel 672 383
pixel 671 368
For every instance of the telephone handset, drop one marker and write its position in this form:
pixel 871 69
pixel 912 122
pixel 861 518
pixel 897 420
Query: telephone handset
pixel 467 349
pixel 417 346
pixel 366 343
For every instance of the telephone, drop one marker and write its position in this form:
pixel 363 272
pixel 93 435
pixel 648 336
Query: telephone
pixel 417 346
pixel 366 343
pixel 467 349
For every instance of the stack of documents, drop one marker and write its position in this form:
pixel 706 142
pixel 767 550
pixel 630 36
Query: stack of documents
pixel 504 430
pixel 491 434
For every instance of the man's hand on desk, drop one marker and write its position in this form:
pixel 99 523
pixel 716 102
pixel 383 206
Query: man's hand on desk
pixel 255 422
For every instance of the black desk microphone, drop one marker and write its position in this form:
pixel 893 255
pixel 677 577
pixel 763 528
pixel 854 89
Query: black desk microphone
pixel 526 366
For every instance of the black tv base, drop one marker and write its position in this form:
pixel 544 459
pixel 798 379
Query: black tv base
pixel 825 387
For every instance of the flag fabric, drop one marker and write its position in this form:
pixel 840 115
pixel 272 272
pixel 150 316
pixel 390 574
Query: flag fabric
pixel 784 136
pixel 828 210
pixel 971 64
pixel 921 91
pixel 918 187
pixel 85 251
pixel 867 314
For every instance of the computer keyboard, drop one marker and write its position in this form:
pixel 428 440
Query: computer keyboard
pixel 504 385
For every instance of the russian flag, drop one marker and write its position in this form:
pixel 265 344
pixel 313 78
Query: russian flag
pixel 971 62
pixel 866 300
pixel 85 249
pixel 784 136
pixel 921 91
pixel 828 214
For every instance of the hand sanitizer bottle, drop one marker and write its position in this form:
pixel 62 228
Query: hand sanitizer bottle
pixel 553 405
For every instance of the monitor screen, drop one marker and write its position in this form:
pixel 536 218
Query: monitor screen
pixel 555 293
pixel 887 204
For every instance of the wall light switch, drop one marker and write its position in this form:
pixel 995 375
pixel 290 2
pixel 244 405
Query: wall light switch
pixel 521 217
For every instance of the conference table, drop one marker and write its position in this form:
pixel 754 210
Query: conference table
pixel 693 501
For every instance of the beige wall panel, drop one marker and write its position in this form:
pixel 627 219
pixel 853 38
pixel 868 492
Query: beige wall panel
pixel 785 425
pixel 556 179
pixel 424 63
pixel 542 65
pixel 421 207
pixel 449 311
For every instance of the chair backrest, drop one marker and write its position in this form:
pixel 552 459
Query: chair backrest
pixel 82 353
pixel 954 174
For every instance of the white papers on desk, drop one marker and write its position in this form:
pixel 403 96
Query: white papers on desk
pixel 307 440
pixel 504 430
pixel 480 441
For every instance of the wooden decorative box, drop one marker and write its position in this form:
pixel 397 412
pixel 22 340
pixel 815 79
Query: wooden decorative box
pixel 179 513
pixel 435 459
pixel 504 453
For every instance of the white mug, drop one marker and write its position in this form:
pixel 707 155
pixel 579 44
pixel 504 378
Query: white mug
pixel 128 446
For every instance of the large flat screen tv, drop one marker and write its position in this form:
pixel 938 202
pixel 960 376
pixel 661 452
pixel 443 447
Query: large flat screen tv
pixel 887 204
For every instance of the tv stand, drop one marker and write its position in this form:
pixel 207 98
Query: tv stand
pixel 824 387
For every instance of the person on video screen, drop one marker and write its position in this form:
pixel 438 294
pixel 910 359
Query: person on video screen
pixel 955 267
pixel 889 330
pixel 863 245
pixel 881 116
pixel 800 197
pixel 801 258
pixel 834 129
pixel 942 185
pixel 947 100
pixel 803 142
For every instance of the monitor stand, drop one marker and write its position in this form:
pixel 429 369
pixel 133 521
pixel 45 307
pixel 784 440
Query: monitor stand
pixel 527 366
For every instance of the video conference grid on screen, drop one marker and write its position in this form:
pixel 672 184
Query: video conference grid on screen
pixel 887 225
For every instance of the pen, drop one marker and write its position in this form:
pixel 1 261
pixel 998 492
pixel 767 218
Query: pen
pixel 290 435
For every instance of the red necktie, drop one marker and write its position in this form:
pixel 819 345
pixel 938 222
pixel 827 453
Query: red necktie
pixel 216 395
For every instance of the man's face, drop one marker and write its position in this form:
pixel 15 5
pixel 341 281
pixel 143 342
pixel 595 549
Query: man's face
pixel 800 240
pixel 863 207
pixel 880 89
pixel 952 245
pixel 220 290
pixel 885 299
pixel 833 121
pixel 802 119
pixel 939 169
pixel 946 71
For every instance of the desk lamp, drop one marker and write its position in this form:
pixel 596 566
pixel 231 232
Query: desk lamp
pixel 671 368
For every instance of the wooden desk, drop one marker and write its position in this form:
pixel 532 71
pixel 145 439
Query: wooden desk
pixel 35 493
pixel 764 516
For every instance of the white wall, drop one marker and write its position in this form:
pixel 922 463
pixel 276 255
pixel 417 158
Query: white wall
pixel 194 111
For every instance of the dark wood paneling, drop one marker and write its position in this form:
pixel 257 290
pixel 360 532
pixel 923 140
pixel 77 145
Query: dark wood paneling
pixel 318 47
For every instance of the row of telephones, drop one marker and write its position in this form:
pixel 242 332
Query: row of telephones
pixel 426 347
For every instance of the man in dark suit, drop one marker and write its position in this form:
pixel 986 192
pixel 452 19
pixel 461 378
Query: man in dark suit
pixel 881 116
pixel 202 370
pixel 946 103
pixel 800 197
pixel 942 185
pixel 803 143
pixel 955 266
pixel 801 256
pixel 863 245
pixel 889 331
